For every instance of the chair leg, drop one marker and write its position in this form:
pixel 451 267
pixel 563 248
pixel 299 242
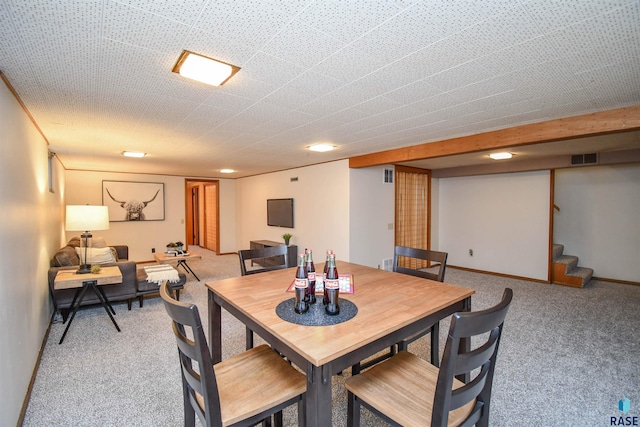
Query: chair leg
pixel 353 410
pixel 277 419
pixel 249 339
pixel 189 412
pixel 435 343
pixel 177 294
pixel 140 300
pixel 301 412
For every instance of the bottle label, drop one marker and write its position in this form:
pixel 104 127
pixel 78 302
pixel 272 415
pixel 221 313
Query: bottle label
pixel 332 284
pixel 301 283
pixel 312 276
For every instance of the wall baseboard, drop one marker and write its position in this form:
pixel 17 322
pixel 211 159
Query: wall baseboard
pixel 604 279
pixel 492 273
pixel 27 396
pixel 622 282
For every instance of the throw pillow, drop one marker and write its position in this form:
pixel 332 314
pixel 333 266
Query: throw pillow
pixel 66 257
pixel 74 242
pixel 98 242
pixel 97 255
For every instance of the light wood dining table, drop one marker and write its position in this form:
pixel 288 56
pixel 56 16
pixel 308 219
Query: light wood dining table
pixel 391 306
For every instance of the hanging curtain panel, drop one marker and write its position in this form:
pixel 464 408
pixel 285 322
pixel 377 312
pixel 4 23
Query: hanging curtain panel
pixel 413 187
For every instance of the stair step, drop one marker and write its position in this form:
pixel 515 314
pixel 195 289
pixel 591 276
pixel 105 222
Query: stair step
pixel 570 261
pixel 557 251
pixel 583 273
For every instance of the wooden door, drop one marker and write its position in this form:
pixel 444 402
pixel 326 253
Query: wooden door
pixel 211 217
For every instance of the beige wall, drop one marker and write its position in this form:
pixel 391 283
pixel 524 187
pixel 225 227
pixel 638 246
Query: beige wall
pixel 503 218
pixel 30 231
pixel 598 218
pixel 86 188
pixel 321 206
pixel 371 216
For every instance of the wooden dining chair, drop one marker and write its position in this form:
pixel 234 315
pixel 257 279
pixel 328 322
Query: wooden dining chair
pixel 421 263
pixel 415 263
pixel 268 259
pixel 243 390
pixel 406 390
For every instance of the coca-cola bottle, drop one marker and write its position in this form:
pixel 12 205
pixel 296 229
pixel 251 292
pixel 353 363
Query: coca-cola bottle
pixel 324 277
pixel 332 288
pixel 301 284
pixel 311 275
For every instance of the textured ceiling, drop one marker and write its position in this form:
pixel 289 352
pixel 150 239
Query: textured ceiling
pixel 366 76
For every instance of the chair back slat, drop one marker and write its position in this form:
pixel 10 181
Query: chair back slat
pixel 456 362
pixel 468 361
pixel 421 259
pixel 277 257
pixel 201 382
pixel 462 395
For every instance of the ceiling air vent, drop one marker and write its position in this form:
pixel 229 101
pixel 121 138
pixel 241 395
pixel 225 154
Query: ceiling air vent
pixel 584 159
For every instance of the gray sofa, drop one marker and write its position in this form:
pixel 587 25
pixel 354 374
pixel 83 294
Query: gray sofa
pixel 134 284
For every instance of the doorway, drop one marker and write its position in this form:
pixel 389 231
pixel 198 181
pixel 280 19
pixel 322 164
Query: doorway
pixel 202 202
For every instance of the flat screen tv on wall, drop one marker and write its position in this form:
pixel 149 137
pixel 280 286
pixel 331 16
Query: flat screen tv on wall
pixel 280 212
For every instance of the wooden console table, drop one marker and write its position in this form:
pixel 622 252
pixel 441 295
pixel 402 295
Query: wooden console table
pixel 163 258
pixel 292 253
pixel 66 279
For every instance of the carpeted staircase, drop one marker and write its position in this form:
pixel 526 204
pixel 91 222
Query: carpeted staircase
pixel 566 271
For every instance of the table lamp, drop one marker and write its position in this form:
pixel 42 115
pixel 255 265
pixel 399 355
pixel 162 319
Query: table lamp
pixel 85 218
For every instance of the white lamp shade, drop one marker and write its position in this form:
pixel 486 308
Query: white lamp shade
pixel 87 218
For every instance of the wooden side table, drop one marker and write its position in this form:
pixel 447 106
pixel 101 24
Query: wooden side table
pixel 67 279
pixel 163 258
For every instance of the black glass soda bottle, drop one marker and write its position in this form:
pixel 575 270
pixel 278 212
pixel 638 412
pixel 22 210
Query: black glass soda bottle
pixel 324 277
pixel 301 284
pixel 332 288
pixel 311 275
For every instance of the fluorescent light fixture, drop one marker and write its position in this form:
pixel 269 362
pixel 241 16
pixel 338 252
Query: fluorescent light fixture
pixel 227 171
pixel 133 154
pixel 500 156
pixel 321 148
pixel 203 69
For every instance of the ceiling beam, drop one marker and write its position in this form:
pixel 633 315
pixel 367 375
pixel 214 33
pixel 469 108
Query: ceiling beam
pixel 604 122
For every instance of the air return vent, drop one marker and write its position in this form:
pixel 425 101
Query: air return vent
pixel 584 159
pixel 388 176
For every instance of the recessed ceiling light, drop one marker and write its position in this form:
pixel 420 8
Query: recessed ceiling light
pixel 203 69
pixel 133 154
pixel 321 148
pixel 500 156
pixel 227 171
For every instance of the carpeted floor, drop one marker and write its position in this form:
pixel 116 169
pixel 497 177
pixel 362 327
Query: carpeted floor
pixel 567 356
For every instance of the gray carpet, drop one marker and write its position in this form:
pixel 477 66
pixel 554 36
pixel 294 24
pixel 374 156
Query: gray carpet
pixel 567 356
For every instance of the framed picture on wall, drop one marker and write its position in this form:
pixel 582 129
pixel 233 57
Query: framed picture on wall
pixel 133 201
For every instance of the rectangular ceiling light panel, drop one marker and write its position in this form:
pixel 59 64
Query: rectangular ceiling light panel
pixel 204 69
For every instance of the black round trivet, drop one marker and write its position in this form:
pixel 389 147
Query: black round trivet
pixel 316 316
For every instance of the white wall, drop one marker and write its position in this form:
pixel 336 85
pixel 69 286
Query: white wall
pixel 30 231
pixel 85 187
pixel 321 208
pixel 371 213
pixel 503 218
pixel 599 218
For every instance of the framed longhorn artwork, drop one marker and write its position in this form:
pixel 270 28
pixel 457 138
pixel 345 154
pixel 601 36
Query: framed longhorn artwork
pixel 133 201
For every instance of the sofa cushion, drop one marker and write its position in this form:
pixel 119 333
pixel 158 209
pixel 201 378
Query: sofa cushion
pixel 65 257
pixel 97 255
